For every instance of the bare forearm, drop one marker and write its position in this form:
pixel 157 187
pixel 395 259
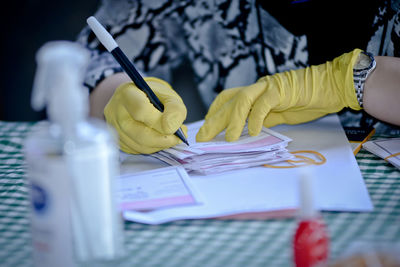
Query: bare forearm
pixel 103 92
pixel 382 90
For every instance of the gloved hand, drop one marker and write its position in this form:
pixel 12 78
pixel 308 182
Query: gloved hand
pixel 290 97
pixel 141 127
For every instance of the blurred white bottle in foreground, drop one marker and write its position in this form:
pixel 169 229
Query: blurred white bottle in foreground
pixel 72 167
pixel 311 240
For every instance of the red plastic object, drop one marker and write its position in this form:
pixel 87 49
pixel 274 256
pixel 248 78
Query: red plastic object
pixel 311 243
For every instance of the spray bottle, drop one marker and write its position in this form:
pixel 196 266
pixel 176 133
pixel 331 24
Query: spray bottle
pixel 311 241
pixel 72 165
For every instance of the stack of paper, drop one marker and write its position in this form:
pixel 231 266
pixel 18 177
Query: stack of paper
pixel 219 155
pixel 387 149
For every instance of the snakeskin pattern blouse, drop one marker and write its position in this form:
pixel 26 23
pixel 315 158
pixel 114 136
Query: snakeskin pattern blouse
pixel 230 43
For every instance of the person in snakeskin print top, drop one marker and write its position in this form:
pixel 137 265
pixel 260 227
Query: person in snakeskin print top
pixel 232 44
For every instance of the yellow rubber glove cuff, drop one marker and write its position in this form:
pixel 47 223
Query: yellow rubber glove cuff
pixel 140 126
pixel 290 97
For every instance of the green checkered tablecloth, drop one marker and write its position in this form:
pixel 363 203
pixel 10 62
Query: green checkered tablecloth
pixel 204 242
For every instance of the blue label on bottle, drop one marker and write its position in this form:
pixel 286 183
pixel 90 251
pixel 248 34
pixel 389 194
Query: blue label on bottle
pixel 39 198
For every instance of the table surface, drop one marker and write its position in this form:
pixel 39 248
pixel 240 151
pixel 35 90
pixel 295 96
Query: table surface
pixel 206 242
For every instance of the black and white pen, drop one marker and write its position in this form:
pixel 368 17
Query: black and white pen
pixel 111 45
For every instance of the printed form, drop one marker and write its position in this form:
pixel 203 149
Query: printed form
pixel 154 189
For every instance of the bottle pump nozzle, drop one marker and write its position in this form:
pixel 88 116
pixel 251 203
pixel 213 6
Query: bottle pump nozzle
pixel 58 82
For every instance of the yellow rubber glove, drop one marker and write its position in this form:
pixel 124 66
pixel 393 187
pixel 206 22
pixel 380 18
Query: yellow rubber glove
pixel 290 97
pixel 141 127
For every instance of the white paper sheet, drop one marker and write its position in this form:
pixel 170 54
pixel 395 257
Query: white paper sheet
pixel 338 185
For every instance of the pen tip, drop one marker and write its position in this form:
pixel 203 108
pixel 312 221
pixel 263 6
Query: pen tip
pixel 181 136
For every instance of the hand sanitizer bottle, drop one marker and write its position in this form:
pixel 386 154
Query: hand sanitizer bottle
pixel 72 164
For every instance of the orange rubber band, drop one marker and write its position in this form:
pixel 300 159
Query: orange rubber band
pixel 393 155
pixel 306 160
pixel 323 159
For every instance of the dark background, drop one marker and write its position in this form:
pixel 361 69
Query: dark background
pixel 26 26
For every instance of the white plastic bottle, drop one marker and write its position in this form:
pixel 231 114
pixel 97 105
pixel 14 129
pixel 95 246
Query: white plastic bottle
pixel 72 167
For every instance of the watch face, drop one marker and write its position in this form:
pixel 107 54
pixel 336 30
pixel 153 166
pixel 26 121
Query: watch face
pixel 365 62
